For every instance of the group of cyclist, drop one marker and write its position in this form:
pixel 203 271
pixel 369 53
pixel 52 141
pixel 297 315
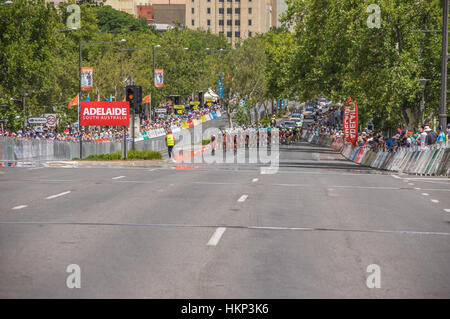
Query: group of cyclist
pixel 287 135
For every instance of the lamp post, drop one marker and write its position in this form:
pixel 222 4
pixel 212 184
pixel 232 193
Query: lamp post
pixel 422 82
pixel 443 105
pixel 80 45
pixel 22 100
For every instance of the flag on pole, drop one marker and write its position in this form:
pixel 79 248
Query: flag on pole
pixel 146 99
pixel 73 102
pixel 109 99
pixel 87 99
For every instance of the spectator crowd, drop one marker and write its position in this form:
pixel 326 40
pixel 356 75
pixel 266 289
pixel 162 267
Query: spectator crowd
pixel 102 134
pixel 330 124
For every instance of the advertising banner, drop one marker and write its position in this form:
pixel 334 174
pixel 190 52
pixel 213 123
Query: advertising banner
pixel 87 79
pixel 159 78
pixel 51 119
pixel 104 113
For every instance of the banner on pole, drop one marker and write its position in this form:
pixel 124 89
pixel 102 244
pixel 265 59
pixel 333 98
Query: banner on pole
pixel 351 121
pixel 87 79
pixel 159 78
pixel 104 113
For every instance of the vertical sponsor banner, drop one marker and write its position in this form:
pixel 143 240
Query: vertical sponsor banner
pixel 159 78
pixel 87 79
pixel 346 120
pixel 353 123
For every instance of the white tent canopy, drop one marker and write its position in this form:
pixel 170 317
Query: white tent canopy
pixel 211 95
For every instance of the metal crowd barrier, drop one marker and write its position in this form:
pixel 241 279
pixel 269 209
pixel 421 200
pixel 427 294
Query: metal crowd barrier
pixel 432 160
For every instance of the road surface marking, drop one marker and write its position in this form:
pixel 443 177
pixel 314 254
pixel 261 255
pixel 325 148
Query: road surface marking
pixel 57 195
pixel 411 184
pixel 425 194
pixel 416 187
pixel 396 176
pixel 19 207
pixel 214 183
pixel 215 238
pixel 447 210
pixel 292 185
pixel 319 229
pixel 254 180
pixel 435 201
pixel 118 177
pixel 242 198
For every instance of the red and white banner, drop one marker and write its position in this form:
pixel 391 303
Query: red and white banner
pixel 351 121
pixel 104 113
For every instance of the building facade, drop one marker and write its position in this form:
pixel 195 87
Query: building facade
pixel 235 19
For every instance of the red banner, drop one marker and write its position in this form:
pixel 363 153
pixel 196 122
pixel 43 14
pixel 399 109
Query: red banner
pixel 351 121
pixel 104 113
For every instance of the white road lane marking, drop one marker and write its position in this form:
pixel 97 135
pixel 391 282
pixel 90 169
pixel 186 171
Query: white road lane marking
pixel 425 194
pixel 118 177
pixel 19 207
pixel 416 187
pixel 254 180
pixel 435 201
pixel 242 198
pixel 412 184
pixel 447 210
pixel 58 195
pixel 396 176
pixel 215 238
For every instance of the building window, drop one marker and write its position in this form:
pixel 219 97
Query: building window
pixel 250 22
pixel 229 34
pixel 229 10
pixel 209 10
pixel 193 22
pixel 229 22
pixel 220 10
pixel 209 22
pixel 249 34
pixel 237 10
pixel 237 34
pixel 237 22
pixel 220 22
pixel 249 10
pixel 192 10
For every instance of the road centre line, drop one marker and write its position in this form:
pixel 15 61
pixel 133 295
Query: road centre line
pixel 435 201
pixel 400 232
pixel 58 195
pixel 447 210
pixel 254 180
pixel 19 207
pixel 242 198
pixel 425 194
pixel 215 238
pixel 118 177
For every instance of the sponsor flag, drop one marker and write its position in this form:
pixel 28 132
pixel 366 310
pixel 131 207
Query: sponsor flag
pixel 87 79
pixel 351 121
pixel 146 99
pixel 109 99
pixel 159 78
pixel 73 102
pixel 87 99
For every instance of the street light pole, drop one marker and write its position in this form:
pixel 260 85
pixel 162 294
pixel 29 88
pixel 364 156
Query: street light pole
pixel 443 106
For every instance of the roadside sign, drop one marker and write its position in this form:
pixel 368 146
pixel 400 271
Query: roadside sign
pixel 209 100
pixel 51 119
pixel 194 103
pixel 178 107
pixel 161 110
pixel 37 120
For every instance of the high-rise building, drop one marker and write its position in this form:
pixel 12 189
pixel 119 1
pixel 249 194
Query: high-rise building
pixel 236 19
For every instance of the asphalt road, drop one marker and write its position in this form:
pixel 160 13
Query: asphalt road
pixel 225 230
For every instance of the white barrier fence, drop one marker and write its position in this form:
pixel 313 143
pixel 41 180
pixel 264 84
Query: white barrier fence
pixel 432 160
